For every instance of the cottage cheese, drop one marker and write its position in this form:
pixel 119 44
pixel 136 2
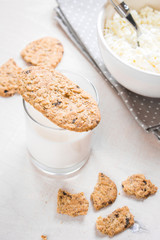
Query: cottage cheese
pixel 122 39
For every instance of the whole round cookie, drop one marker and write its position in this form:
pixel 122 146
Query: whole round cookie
pixel 9 72
pixel 105 192
pixel 59 99
pixel 139 186
pixel 46 51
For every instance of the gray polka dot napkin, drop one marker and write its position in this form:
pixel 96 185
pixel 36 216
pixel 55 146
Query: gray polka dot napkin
pixel 78 18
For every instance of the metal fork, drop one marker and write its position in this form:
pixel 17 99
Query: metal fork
pixel 124 11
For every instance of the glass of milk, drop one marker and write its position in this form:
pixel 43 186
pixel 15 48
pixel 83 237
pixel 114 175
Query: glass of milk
pixel 52 149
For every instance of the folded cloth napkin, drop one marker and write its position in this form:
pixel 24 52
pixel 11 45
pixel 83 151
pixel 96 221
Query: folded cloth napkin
pixel 78 18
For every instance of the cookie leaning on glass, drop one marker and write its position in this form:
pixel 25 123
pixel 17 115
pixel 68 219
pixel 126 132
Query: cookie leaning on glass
pixel 59 99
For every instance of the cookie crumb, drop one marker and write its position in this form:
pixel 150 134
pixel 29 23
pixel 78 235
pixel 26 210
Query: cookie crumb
pixel 43 237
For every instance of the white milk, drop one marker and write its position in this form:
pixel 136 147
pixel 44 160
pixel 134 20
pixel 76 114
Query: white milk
pixel 52 146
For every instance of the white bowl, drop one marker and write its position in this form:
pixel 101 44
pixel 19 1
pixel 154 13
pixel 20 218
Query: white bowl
pixel 139 81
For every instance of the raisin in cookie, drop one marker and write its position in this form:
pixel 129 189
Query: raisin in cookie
pixel 46 51
pixel 116 222
pixel 105 192
pixel 72 204
pixel 59 99
pixel 9 72
pixel 139 186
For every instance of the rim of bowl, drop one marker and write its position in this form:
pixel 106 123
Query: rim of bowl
pixel 100 33
pixel 59 128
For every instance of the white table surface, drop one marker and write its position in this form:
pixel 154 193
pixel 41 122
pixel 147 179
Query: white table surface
pixel 120 146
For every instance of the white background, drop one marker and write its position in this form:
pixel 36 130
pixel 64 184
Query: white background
pixel 120 146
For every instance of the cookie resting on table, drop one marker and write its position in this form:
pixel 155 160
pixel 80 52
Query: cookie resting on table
pixel 46 51
pixel 116 222
pixel 9 72
pixel 59 99
pixel 72 204
pixel 105 192
pixel 139 186
pixel 43 237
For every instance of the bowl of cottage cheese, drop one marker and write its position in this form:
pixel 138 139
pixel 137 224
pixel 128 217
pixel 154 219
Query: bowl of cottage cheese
pixel 136 67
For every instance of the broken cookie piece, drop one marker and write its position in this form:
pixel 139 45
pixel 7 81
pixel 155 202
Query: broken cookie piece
pixel 105 192
pixel 72 204
pixel 116 222
pixel 139 186
pixel 9 72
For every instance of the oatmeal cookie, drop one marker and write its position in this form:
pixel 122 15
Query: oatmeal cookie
pixel 43 237
pixel 59 99
pixel 46 51
pixel 139 186
pixel 116 222
pixel 9 72
pixel 72 204
pixel 105 192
